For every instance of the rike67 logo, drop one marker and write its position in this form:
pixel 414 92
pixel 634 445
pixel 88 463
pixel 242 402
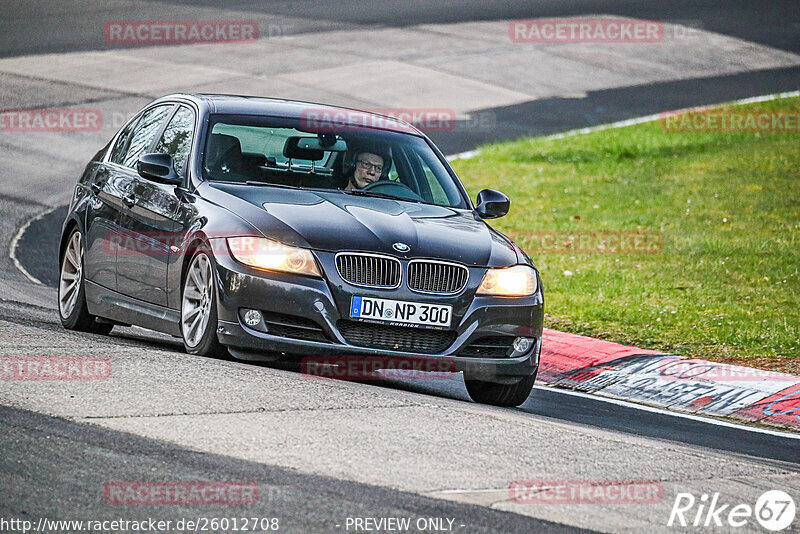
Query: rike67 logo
pixel 774 510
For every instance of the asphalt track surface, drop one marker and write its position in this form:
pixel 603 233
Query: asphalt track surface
pixel 94 456
pixel 40 26
pixel 56 466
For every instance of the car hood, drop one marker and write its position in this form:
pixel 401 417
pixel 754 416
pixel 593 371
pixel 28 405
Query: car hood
pixel 334 221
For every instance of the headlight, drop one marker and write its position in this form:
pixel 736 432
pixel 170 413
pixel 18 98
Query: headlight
pixel 516 281
pixel 267 254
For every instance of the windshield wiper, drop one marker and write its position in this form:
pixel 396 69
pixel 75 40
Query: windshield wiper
pixel 284 186
pixel 358 192
pixel 362 193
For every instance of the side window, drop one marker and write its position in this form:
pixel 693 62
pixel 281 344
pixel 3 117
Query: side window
pixel 177 138
pixel 144 133
pixel 118 152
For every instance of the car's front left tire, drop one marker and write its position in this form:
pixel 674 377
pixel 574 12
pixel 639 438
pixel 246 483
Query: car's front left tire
pixel 72 308
pixel 199 308
pixel 498 394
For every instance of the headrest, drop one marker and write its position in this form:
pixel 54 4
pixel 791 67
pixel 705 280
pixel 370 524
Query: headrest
pixel 224 149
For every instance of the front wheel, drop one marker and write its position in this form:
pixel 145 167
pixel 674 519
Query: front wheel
pixel 199 308
pixel 72 308
pixel 497 394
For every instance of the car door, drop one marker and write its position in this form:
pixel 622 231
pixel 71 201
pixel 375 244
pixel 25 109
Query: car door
pixel 151 220
pixel 131 248
pixel 103 236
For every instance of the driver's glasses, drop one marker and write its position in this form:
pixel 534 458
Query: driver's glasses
pixel 366 165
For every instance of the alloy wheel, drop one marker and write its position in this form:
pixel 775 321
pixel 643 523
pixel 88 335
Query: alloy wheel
pixel 198 292
pixel 71 275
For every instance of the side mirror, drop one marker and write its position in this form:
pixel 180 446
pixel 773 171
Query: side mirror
pixel 492 204
pixel 158 168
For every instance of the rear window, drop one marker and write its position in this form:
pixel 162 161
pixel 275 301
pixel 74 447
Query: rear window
pixel 266 141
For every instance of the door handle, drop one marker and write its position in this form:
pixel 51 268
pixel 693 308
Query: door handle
pixel 128 199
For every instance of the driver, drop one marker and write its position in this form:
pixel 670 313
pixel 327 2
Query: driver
pixel 368 168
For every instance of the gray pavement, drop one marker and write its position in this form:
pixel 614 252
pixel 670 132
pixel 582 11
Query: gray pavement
pixel 37 26
pixel 84 459
pixel 422 437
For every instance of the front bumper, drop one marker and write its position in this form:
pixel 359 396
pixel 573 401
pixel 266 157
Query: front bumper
pixel 327 303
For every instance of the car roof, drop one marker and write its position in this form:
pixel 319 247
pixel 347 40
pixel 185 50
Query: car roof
pixel 295 109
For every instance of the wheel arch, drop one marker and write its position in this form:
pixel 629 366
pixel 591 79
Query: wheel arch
pixel 70 224
pixel 198 240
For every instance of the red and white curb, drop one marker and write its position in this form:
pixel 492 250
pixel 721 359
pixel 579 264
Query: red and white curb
pixel 668 381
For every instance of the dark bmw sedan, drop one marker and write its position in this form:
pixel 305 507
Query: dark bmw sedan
pixel 276 229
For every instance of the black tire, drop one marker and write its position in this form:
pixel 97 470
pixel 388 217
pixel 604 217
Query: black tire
pixel 497 394
pixel 208 344
pixel 76 316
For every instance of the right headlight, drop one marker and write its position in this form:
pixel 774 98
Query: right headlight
pixel 516 281
pixel 273 256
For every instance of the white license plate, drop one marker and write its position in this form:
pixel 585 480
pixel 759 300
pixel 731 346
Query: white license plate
pixel 400 312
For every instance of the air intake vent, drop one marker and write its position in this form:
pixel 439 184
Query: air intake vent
pixel 292 326
pixel 489 347
pixel 400 338
pixel 436 277
pixel 369 270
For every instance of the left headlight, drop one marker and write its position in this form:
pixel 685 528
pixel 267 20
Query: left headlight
pixel 516 281
pixel 271 255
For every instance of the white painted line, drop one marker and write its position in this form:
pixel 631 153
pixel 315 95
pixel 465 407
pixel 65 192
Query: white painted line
pixel 650 118
pixel 663 411
pixel 463 155
pixel 487 490
pixel 12 249
pixel 639 120
pixel 766 98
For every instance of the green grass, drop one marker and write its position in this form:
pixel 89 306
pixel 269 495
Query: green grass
pixel 725 284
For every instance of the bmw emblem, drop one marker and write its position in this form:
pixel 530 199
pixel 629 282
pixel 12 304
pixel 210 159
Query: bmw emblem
pixel 401 247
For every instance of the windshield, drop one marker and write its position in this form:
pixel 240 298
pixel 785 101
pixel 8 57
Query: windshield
pixel 283 152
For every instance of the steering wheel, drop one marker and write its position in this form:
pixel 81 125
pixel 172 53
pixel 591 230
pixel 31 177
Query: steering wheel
pixel 393 188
